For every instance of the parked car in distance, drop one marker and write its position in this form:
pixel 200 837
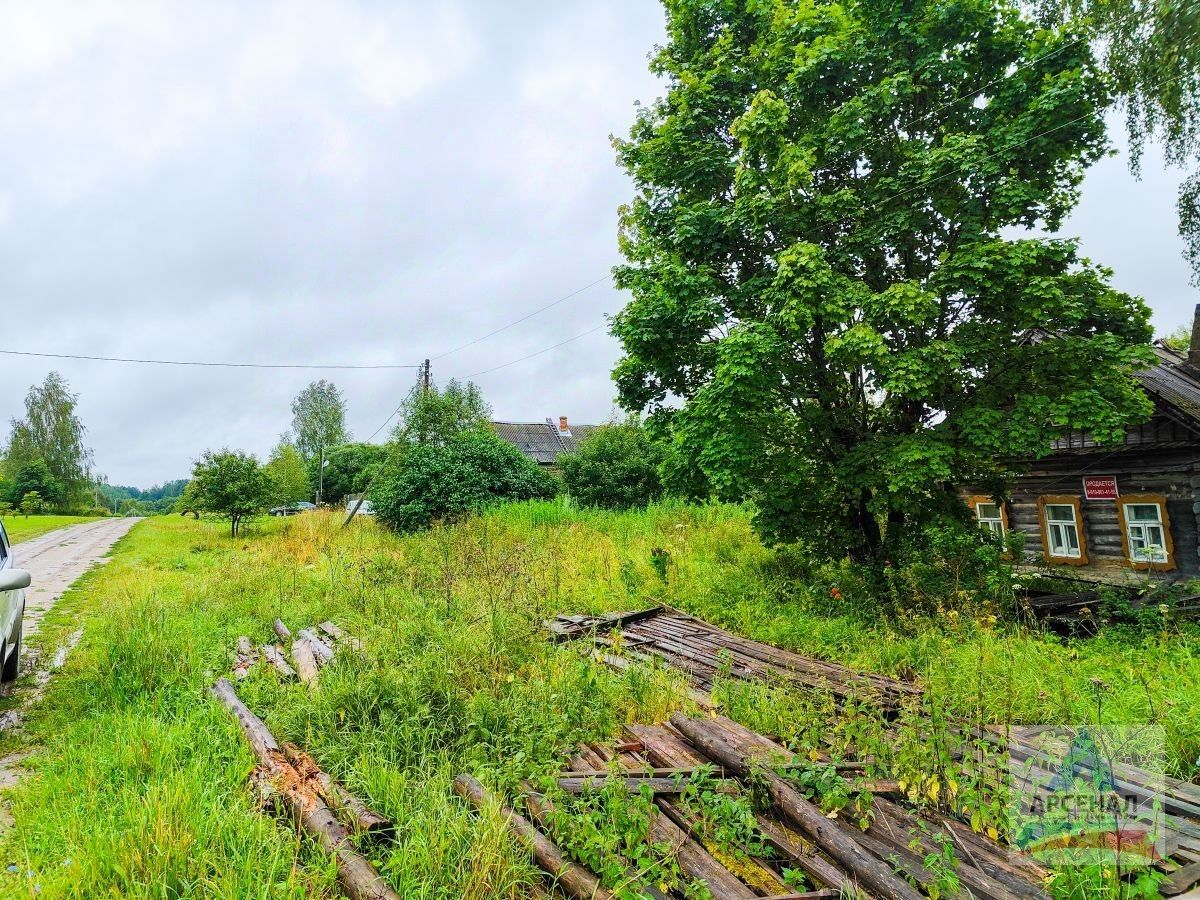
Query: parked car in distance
pixel 291 509
pixel 13 582
pixel 366 509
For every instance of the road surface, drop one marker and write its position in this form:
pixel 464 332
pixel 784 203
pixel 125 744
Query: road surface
pixel 56 559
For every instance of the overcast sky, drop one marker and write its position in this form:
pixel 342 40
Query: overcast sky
pixel 347 182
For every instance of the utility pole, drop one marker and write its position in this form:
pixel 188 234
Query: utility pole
pixel 425 380
pixel 321 476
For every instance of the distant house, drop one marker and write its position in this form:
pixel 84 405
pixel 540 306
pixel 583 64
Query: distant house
pixel 543 442
pixel 1108 512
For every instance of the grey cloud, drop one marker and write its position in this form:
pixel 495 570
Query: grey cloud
pixel 344 181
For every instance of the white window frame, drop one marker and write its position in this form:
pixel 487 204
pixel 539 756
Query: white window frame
pixel 1055 530
pixel 994 524
pixel 1134 532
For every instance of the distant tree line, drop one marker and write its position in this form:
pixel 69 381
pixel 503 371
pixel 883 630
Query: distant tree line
pixel 123 500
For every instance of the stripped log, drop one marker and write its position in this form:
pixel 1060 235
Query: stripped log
pixel 874 874
pixel 306 661
pixel 282 631
pixel 572 879
pixel 322 651
pixel 357 876
pixel 276 658
pixel 350 809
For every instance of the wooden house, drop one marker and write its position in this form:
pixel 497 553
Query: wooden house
pixel 1112 512
pixel 543 442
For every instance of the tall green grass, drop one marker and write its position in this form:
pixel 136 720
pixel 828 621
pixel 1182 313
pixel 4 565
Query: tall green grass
pixel 138 784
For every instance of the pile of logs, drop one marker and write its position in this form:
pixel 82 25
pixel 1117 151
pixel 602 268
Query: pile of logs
pixel 311 649
pixel 704 652
pixel 888 860
pixel 317 804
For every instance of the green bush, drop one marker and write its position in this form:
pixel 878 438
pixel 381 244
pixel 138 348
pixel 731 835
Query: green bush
pixel 445 482
pixel 615 467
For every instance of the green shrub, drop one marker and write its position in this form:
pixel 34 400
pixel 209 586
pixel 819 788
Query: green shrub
pixel 615 467
pixel 445 482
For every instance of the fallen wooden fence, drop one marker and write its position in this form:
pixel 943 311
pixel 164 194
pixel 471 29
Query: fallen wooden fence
pixel 886 861
pixel 705 653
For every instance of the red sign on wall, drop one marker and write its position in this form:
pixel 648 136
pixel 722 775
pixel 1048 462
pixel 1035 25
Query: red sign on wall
pixel 1100 487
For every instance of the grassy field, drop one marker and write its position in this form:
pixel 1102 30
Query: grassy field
pixel 138 784
pixel 23 528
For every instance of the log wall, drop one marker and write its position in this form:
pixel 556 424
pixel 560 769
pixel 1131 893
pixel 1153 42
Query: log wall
pixel 1172 472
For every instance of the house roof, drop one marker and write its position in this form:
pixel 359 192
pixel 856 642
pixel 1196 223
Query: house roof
pixel 542 441
pixel 1174 383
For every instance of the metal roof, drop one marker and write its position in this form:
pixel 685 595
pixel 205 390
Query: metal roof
pixel 542 441
pixel 1174 383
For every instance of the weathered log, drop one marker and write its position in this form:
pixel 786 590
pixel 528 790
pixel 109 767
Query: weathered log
pixel 306 661
pixel 806 858
pixel 752 870
pixel 874 874
pixel 571 878
pixel 276 658
pixel 350 809
pixel 332 630
pixel 665 772
pixel 356 875
pixel 695 861
pixel 1181 880
pixel 282 631
pixel 340 636
pixel 323 651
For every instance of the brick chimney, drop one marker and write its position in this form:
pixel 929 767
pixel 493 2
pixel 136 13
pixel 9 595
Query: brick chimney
pixel 566 429
pixel 1194 347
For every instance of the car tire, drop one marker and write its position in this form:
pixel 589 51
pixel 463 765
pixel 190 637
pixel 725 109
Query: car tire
pixel 12 662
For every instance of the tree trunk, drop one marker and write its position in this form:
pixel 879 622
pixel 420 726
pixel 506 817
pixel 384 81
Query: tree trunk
pixel 869 550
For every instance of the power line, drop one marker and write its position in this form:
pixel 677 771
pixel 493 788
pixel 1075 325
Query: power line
pixel 538 353
pixel 874 205
pixel 203 363
pixel 525 318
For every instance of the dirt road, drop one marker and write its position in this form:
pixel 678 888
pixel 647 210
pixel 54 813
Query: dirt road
pixel 56 559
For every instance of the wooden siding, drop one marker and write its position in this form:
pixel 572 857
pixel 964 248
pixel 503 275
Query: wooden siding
pixel 1175 475
pixel 1160 430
